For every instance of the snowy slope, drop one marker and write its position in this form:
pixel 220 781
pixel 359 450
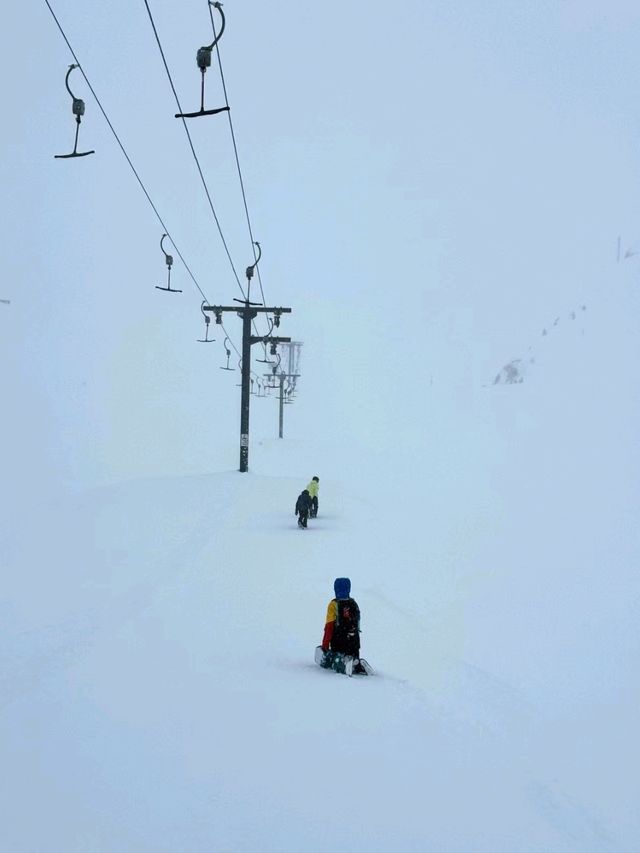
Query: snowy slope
pixel 432 185
pixel 185 712
pixel 159 691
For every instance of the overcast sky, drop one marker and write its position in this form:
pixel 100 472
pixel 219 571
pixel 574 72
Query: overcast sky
pixel 431 183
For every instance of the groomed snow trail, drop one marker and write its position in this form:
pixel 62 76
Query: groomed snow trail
pixel 173 703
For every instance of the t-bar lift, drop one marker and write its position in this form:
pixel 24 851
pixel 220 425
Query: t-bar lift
pixel 203 60
pixel 248 311
pixel 77 108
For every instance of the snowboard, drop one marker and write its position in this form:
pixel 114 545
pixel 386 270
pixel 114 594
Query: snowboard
pixel 344 664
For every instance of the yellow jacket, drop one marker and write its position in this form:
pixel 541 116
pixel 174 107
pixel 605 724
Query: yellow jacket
pixel 329 625
pixel 312 488
pixel 332 611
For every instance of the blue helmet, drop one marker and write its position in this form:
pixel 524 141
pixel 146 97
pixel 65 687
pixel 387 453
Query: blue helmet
pixel 342 587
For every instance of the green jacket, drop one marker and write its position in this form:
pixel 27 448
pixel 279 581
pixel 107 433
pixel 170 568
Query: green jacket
pixel 312 488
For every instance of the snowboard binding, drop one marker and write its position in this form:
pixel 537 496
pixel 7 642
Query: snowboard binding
pixel 341 663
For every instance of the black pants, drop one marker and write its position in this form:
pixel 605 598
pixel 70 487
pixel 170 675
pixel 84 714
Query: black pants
pixel 303 515
pixel 347 644
pixel 314 506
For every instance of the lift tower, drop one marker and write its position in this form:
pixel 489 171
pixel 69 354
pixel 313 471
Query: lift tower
pixel 247 313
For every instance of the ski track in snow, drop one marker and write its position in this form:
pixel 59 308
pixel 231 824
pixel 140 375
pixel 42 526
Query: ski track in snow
pixel 188 685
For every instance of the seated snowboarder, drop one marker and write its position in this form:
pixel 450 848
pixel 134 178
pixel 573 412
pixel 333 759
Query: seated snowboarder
pixel 303 505
pixel 341 640
pixel 312 488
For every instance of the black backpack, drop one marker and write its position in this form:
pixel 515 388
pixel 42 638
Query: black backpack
pixel 347 625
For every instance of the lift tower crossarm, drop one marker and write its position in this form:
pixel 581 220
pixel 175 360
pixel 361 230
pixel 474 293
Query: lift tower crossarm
pixel 254 306
pixel 269 339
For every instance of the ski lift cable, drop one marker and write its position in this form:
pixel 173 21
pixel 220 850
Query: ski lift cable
pixel 235 146
pixel 193 150
pixel 130 163
pixel 195 156
pixel 123 149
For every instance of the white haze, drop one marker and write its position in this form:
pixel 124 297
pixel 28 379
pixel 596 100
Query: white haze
pixel 439 193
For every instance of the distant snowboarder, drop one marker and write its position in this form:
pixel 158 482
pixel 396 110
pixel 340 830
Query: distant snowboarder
pixel 340 648
pixel 312 488
pixel 303 505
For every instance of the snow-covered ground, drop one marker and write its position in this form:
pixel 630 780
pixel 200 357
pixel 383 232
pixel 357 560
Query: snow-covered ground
pixel 158 685
pixel 438 189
